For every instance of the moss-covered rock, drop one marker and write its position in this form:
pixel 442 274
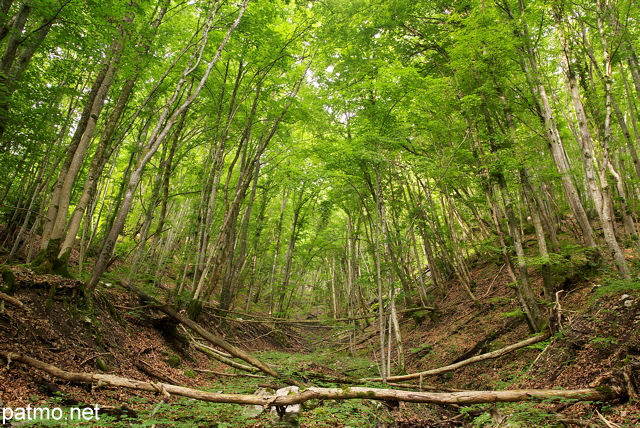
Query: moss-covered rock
pixel 102 365
pixel 8 279
pixel 173 361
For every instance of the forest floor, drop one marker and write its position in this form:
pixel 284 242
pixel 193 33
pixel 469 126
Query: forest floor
pixel 600 332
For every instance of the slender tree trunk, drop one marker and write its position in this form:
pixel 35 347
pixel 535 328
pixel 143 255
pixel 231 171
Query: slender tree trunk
pixel 103 149
pixel 554 139
pixel 52 235
pixel 596 181
pixel 293 239
pixel 401 369
pixel 165 123
pixel 379 224
pixel 543 250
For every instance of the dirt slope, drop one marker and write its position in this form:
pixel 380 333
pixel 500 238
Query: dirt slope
pixel 122 337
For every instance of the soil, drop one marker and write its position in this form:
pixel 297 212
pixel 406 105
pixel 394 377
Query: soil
pixel 599 335
pixel 122 336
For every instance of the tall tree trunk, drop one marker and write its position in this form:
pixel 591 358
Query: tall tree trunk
pixel 165 123
pixel 378 230
pixel 596 180
pixel 104 147
pixel 53 233
pixel 554 140
pixel 248 169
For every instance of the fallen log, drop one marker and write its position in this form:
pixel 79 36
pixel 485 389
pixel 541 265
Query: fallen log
pixel 217 373
pixel 151 372
pixel 478 358
pixel 275 320
pixel 210 352
pixel 446 398
pixel 210 337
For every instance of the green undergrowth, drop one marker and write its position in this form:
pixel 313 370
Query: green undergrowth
pixel 184 412
pixel 616 287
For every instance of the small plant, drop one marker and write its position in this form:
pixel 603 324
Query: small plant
pixel 603 342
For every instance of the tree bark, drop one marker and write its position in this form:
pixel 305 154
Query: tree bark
pixel 456 398
pixel 554 140
pixel 103 148
pixel 164 124
pixel 595 178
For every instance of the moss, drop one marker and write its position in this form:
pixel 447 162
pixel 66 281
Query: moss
pixel 194 309
pixel 50 296
pixel 605 390
pixel 9 279
pixel 190 373
pixel 173 361
pixel 102 365
pixel 281 337
pixel 47 261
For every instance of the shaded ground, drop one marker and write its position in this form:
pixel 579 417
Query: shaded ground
pixel 122 337
pixel 601 333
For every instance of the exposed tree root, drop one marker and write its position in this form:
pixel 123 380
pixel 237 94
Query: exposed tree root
pixel 451 367
pixel 12 300
pixel 446 398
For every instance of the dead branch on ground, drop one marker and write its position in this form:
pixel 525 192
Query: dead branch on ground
pixel 478 358
pixel 211 353
pixel 12 300
pixel 446 398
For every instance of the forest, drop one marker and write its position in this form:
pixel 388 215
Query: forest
pixel 333 175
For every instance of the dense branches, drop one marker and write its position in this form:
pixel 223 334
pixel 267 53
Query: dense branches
pixel 321 157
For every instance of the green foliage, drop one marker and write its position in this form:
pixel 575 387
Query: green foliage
pixel 521 415
pixel 174 360
pixel 517 313
pixel 574 262
pixel 603 342
pixel 540 345
pixel 612 287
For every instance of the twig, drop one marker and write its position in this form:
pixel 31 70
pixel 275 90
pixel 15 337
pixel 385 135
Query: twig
pixel 607 423
pixel 86 360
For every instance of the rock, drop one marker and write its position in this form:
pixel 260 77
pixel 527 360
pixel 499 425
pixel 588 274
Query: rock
pixel 628 303
pixel 286 416
pixel 174 361
pixel 255 411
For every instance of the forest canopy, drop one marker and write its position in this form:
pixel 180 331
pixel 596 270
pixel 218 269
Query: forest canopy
pixel 290 155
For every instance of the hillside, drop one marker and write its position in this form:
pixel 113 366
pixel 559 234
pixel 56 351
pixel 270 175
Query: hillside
pixel 599 336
